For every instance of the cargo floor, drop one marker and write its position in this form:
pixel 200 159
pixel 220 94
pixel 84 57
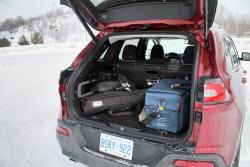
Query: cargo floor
pixel 131 123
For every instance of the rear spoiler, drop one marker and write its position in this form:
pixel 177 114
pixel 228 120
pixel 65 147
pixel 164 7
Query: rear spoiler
pixel 70 4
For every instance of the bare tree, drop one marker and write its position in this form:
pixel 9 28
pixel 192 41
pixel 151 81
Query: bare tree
pixel 234 24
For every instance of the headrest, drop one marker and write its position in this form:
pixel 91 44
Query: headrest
pixel 157 52
pixel 188 56
pixel 129 53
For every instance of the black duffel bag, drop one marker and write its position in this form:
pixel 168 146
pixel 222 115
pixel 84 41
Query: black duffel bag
pixel 112 100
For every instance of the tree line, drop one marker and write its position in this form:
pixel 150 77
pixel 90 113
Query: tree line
pixel 11 25
pixel 233 23
pixel 36 38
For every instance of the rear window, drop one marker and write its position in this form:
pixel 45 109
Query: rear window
pixel 141 48
pixel 174 45
pixel 169 46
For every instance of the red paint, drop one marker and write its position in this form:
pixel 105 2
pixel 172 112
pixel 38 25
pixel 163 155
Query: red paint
pixel 221 126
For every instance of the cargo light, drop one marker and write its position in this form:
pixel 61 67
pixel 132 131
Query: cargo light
pixel 215 92
pixel 184 163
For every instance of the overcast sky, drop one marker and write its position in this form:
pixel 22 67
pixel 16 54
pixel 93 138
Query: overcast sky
pixel 25 8
pixel 28 8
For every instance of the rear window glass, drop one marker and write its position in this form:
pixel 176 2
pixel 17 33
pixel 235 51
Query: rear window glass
pixel 169 46
pixel 173 47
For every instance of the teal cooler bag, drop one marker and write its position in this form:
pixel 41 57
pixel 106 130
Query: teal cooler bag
pixel 167 105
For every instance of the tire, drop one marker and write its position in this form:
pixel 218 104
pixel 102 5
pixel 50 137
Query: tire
pixel 237 158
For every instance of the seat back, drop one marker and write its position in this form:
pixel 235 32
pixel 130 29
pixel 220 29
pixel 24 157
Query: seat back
pixel 129 53
pixel 188 56
pixel 157 55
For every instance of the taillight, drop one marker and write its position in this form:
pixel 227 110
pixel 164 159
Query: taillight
pixel 215 92
pixel 64 105
pixel 183 163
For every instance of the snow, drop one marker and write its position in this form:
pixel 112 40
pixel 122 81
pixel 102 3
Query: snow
pixel 55 29
pixel 29 104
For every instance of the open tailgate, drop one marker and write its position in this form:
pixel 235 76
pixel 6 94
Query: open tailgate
pixel 133 14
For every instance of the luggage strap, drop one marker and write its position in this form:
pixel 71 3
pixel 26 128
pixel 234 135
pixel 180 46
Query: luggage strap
pixel 146 120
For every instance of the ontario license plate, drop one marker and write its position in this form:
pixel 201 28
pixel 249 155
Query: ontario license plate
pixel 116 146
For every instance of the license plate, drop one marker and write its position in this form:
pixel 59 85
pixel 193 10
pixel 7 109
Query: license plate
pixel 116 146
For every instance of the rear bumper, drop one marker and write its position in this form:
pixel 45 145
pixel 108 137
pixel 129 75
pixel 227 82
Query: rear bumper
pixel 76 148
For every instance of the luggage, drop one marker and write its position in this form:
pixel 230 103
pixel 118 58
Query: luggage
pixel 167 105
pixel 101 84
pixel 111 95
pixel 122 84
pixel 112 101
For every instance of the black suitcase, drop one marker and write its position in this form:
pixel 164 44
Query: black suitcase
pixel 112 100
pixel 98 85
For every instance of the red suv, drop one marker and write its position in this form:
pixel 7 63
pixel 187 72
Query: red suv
pixel 145 41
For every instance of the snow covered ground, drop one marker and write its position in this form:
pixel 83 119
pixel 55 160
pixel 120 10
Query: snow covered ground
pixel 29 105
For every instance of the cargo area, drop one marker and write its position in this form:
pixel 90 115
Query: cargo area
pixel 111 88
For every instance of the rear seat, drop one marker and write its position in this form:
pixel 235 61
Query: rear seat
pixel 188 56
pixel 129 54
pixel 157 55
pixel 141 74
pixel 128 66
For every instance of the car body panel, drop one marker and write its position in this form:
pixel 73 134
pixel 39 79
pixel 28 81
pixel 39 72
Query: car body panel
pixel 77 148
pixel 221 126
